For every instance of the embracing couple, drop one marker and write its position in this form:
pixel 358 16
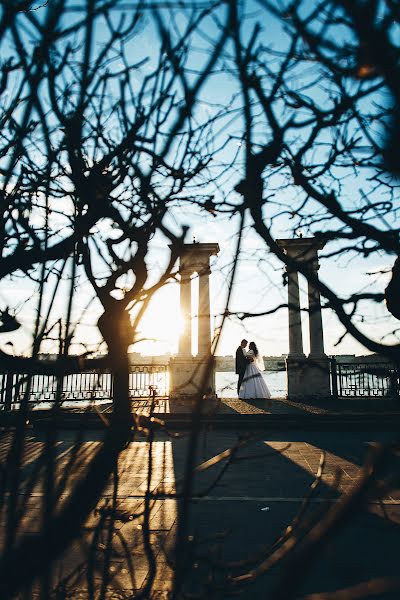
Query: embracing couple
pixel 249 367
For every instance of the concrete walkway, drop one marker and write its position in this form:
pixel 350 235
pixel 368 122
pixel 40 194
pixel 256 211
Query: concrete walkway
pixel 276 406
pixel 236 520
pixel 275 414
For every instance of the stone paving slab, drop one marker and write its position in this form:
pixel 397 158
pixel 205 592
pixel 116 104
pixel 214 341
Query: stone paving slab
pixel 242 514
pixel 277 406
pixel 282 405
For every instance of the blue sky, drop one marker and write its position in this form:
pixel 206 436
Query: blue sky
pixel 258 286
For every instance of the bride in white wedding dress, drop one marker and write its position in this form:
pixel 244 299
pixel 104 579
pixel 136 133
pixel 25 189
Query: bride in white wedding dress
pixel 253 385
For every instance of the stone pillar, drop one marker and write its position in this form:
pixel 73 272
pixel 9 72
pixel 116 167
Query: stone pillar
pixel 204 335
pixel 192 377
pixel 185 340
pixel 306 376
pixel 295 332
pixel 315 316
pixel 318 369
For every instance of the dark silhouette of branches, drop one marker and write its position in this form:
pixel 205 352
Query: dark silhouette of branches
pixel 106 136
pixel 98 143
pixel 321 105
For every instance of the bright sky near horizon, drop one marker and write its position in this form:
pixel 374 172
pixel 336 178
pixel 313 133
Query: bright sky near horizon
pixel 259 287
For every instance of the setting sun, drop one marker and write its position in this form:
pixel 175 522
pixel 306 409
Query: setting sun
pixel 162 323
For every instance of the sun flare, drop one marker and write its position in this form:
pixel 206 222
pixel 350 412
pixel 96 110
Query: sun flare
pixel 162 323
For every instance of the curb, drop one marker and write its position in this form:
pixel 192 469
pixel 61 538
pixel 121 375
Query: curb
pixel 312 422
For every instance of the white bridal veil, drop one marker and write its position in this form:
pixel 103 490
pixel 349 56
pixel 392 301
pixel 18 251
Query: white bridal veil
pixel 258 360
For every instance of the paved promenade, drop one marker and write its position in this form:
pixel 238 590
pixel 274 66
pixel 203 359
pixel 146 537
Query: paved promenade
pixel 239 511
pixel 279 406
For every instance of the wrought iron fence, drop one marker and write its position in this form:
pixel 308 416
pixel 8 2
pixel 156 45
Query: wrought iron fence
pixel 84 387
pixel 361 380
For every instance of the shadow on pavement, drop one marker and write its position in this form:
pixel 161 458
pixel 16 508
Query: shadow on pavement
pixel 245 512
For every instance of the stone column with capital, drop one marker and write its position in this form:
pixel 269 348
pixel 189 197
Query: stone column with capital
pixel 315 316
pixel 185 340
pixel 306 376
pixel 192 377
pixel 204 336
pixel 295 332
pixel 318 370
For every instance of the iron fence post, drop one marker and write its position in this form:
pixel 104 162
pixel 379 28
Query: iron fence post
pixel 334 379
pixel 397 368
pixel 9 391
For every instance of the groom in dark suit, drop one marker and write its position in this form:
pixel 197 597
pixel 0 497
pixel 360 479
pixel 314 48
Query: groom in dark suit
pixel 241 363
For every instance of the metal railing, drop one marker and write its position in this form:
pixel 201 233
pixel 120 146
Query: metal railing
pixel 362 380
pixel 84 387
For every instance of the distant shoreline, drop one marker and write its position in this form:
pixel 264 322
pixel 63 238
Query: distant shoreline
pixel 226 364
